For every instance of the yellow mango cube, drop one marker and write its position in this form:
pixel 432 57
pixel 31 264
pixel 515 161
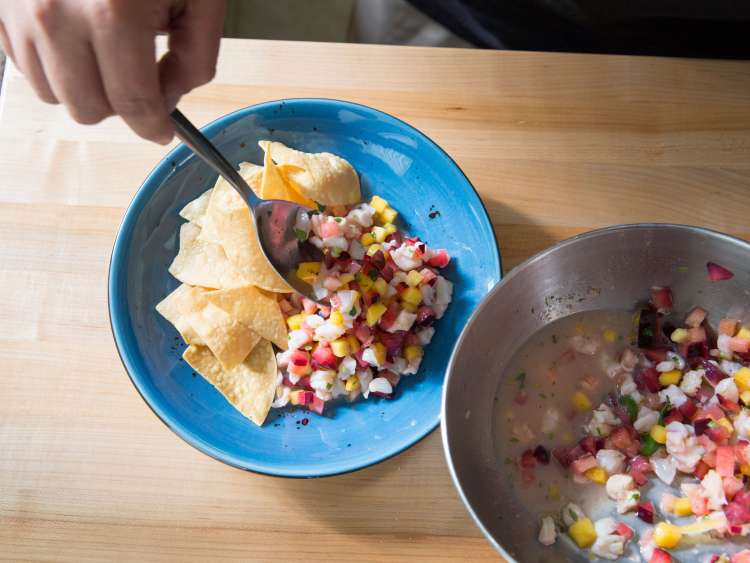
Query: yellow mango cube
pixel 379 234
pixel 340 348
pixel 679 335
pixel 307 271
pixel 724 421
pixel 365 282
pixel 609 335
pixel 582 532
pixel 745 398
pixel 390 228
pixel 412 295
pixel 581 402
pixel 352 384
pixel 553 492
pixel 295 321
pixel 667 535
pixel 413 278
pixel 745 469
pixel 354 344
pixel 413 352
pixel 668 378
pixel 409 307
pixel 744 332
pixel 742 378
pixel 379 350
pixel 378 203
pixel 336 318
pixel 373 249
pixel 374 312
pixel 597 475
pixel 346 278
pixel 388 215
pixel 683 507
pixel 381 286
pixel 659 434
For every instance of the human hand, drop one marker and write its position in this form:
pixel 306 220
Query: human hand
pixel 97 57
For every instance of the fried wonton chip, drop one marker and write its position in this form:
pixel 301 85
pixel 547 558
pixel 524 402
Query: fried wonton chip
pixel 275 186
pixel 322 177
pixel 195 211
pixel 175 307
pixel 227 338
pixel 249 387
pixel 203 263
pixel 254 308
pixel 236 232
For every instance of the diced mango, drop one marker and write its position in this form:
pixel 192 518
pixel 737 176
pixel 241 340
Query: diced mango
pixel 346 278
pixel 745 398
pixel 659 434
pixel 667 535
pixel 379 350
pixel 352 383
pixel 354 344
pixel 336 318
pixel 381 286
pixel 670 377
pixel 373 249
pixel 295 321
pixel 744 333
pixel 390 228
pixel 609 335
pixel 374 312
pixel 379 234
pixel 582 532
pixel 378 203
pixel 307 271
pixel 413 352
pixel 366 239
pixel 340 347
pixel 581 402
pixel 742 378
pixel 724 421
pixel 679 335
pixel 683 507
pixel 745 469
pixel 413 278
pixel 365 282
pixel 412 295
pixel 553 492
pixel 597 475
pixel 409 307
pixel 388 215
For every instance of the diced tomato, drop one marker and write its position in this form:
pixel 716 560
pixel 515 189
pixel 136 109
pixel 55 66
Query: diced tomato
pixel 329 229
pixel 700 471
pixel 323 356
pixel 728 326
pixel 427 275
pixel 360 361
pixel 736 513
pixel 739 451
pixel 439 258
pixel 624 530
pixel 674 415
pixel 688 409
pixel 709 458
pixel 528 461
pixel 741 556
pixel 707 443
pixel 700 425
pixel 588 443
pixel 725 461
pixel 743 498
pixel 696 335
pixel 661 299
pixel 521 398
pixel 696 317
pixel 565 455
pixel 363 333
pixel 739 345
pixel 541 454
pixel 639 468
pixel 581 465
pixel 732 486
pixel 393 378
pixel 424 314
pixel 647 380
pixel 729 406
pixel 387 272
pixel 718 434
pixel 304 382
pixel 623 439
pixel 305 397
pixel 717 272
pixel 317 405
pixel 645 512
pixel 370 296
pixel 656 355
pixel 389 317
pixel 660 556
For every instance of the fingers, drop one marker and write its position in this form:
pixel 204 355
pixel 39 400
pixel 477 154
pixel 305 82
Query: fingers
pixel 24 55
pixel 127 62
pixel 194 38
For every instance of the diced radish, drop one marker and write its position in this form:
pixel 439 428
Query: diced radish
pixel 696 317
pixel 389 317
pixel 396 237
pixel 304 382
pixel 728 326
pixel 656 355
pixel 709 458
pixel 739 451
pixel 736 513
pixel 329 229
pixel 688 409
pixel 673 415
pixel 718 273
pixel 393 378
pixel 427 275
pixel 541 454
pixel 439 258
pixel 645 512
pixel 705 392
pixel 732 486
pixel 588 443
pixel 696 335
pixel 521 398
pixel 317 404
pixel 700 472
pixel 660 556
pixel 424 314
pixel 363 333
pixel 707 443
pixel 305 397
pixel 361 363
pixel 624 530
pixel 743 498
pixel 623 439
pixel 729 406
pixel 323 356
pixel 387 272
pixel 661 299
pixel 639 468
pixel 725 461
pixel 741 556
pixel 739 345
pixel 580 466
pixel 647 380
pixel 528 460
pixel 718 434
pixel 713 372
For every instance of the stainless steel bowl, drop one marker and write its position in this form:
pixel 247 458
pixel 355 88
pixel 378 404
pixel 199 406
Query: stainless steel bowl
pixel 605 269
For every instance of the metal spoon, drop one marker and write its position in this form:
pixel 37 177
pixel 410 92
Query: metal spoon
pixel 274 219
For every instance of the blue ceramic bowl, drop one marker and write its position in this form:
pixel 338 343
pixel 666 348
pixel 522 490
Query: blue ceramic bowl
pixel 435 201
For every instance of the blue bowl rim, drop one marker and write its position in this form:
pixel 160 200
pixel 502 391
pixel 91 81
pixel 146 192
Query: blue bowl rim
pixel 156 177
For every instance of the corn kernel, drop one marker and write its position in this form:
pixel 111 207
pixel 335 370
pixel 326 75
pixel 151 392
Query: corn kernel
pixel 742 379
pixel 352 383
pixel 679 335
pixel 609 335
pixel 381 286
pixel 379 350
pixel 409 307
pixel 307 271
pixel 745 398
pixel 388 215
pixel 340 348
pixel 378 203
pixel 724 421
pixel 744 333
pixel 659 434
pixel 374 312
pixel 346 278
pixel 667 535
pixel 412 295
pixel 336 318
pixel 597 475
pixel 412 353
pixel 354 344
pixel 553 492
pixel 373 249
pixel 365 282
pixel 581 402
pixel 670 377
pixel 295 321
pixel 745 469
pixel 413 278
pixel 367 239
pixel 582 532
pixel 683 507
pixel 390 228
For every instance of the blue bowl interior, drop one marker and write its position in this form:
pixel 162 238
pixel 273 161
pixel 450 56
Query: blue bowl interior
pixel 435 201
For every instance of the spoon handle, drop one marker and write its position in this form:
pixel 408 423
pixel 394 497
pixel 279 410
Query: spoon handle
pixel 205 149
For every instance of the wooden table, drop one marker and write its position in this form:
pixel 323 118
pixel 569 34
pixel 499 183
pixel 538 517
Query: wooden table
pixel 555 144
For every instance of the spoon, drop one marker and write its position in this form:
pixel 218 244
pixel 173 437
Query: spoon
pixel 274 219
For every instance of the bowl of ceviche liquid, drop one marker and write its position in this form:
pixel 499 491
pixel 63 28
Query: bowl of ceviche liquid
pixel 254 376
pixel 596 403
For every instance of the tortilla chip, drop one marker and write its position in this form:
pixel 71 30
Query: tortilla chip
pixel 254 308
pixel 228 339
pixel 195 211
pixel 175 306
pixel 203 263
pixel 274 184
pixel 249 387
pixel 237 234
pixel 322 177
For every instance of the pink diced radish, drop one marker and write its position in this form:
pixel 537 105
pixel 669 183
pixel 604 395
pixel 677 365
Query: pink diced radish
pixel 725 461
pixel 639 468
pixel 741 556
pixel 732 486
pixel 728 326
pixel 739 345
pixel 660 556
pixel 707 443
pixel 740 451
pixel 696 335
pixel 521 397
pixel 299 363
pixel 317 404
pixel 309 306
pixel 718 273
pixel 696 317
pixel 736 513
pixel 580 466
pixel 305 397
pixel 323 356
pixel 330 229
pixel 698 502
pixel 624 530
pixel 331 283
pixel 427 275
pixel 661 299
pixel 439 258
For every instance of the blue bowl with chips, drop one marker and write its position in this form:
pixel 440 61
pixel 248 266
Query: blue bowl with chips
pixel 435 201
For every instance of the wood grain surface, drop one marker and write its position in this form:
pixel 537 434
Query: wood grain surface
pixel 555 144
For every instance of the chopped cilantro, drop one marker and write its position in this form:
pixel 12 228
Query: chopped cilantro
pixel 647 331
pixel 353 312
pixel 666 407
pixel 554 339
pixel 336 252
pixel 649 445
pixel 573 514
pixel 338 219
pixel 321 208
pixel 373 274
pixel 542 395
pixel 300 234
pixel 514 440
pixel 329 386
pixel 682 269
pixel 521 379
pixel 630 406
